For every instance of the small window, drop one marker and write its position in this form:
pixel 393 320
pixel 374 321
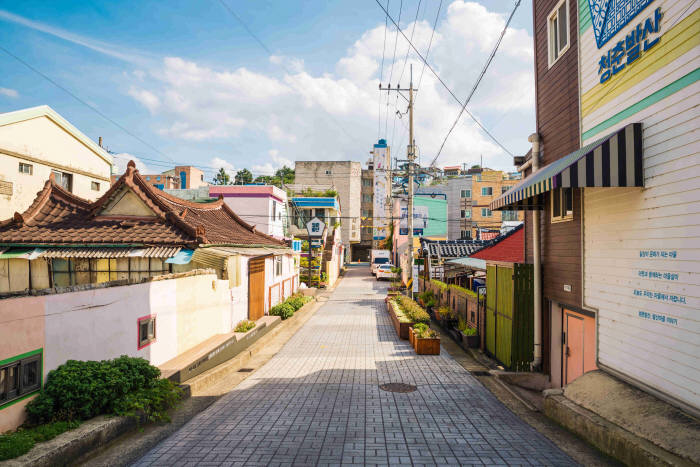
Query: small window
pixel 278 265
pixel 148 178
pixel 466 193
pixel 26 168
pixel 95 186
pixel 509 215
pixel 147 331
pixel 486 191
pixel 158 178
pixel 366 198
pixel 63 179
pixel 366 182
pixel 562 205
pixel 201 177
pixel 504 189
pixel 485 212
pixel 466 234
pixel 274 210
pixel 558 31
pixel 328 172
pixel 467 214
pixel 20 377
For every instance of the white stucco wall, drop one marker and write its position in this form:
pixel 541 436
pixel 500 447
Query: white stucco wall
pixel 41 138
pixel 102 323
pixel 258 212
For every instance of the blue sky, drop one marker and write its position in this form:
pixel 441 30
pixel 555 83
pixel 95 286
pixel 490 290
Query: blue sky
pixel 187 77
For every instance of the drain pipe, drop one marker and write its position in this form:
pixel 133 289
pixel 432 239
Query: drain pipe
pixel 537 273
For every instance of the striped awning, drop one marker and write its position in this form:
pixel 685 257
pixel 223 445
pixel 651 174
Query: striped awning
pixel 148 252
pixel 612 161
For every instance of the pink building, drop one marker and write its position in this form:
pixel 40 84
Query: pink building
pixel 264 206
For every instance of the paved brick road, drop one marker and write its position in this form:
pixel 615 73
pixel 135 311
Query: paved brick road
pixel 317 402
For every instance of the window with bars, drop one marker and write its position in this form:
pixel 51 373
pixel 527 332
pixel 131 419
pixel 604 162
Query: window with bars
pixel 77 271
pixel 20 376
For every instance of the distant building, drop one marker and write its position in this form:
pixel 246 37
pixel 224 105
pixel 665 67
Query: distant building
pixel 486 187
pixel 182 177
pixel 452 171
pixel 458 192
pixel 36 142
pixel 346 178
pixel 361 251
pixel 264 206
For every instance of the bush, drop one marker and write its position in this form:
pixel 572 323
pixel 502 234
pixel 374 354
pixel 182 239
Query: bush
pixel 400 315
pixel 21 441
pixel 445 312
pixel 422 331
pixel 463 290
pixel 283 310
pixel 78 390
pixel 428 298
pixel 412 310
pixel 298 301
pixel 244 326
pixel 439 284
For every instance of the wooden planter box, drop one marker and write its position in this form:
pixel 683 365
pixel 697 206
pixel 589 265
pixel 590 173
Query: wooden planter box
pixel 427 346
pixel 410 336
pixel 400 328
pixel 471 342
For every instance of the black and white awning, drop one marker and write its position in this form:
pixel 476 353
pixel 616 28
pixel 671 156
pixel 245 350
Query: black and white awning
pixel 612 161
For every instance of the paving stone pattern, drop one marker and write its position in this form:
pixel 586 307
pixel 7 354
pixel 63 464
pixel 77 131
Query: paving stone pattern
pixel 317 402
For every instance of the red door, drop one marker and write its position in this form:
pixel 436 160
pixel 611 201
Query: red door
pixel 574 348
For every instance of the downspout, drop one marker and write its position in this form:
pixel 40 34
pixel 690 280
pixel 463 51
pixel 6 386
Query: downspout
pixel 537 259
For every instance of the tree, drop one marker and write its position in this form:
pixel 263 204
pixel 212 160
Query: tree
pixel 285 174
pixel 222 178
pixel 243 176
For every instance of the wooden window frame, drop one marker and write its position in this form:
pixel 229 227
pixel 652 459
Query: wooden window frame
pixel 551 40
pixel 20 364
pixel 560 194
pixel 148 340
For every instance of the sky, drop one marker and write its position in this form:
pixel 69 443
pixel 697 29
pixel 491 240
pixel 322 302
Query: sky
pixel 261 84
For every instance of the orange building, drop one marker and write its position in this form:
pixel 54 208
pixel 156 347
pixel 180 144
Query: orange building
pixel 181 177
pixel 487 186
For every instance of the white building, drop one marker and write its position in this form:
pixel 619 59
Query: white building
pixel 37 141
pixel 264 206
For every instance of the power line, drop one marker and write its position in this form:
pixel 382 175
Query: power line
pixel 476 83
pixel 381 76
pixel 432 70
pixel 393 60
pixel 94 109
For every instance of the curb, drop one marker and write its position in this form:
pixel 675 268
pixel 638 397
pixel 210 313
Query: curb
pixel 611 439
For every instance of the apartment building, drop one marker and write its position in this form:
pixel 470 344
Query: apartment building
pixel 486 187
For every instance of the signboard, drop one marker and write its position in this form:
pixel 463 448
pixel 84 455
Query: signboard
pixel 382 189
pixel 420 220
pixel 414 278
pixel 609 16
pixel 315 227
pixel 296 245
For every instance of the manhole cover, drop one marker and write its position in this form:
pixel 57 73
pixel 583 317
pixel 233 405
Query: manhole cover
pixel 481 373
pixel 397 387
pixel 245 370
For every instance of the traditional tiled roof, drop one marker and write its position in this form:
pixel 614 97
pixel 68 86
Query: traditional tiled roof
pixel 451 248
pixel 509 247
pixel 58 217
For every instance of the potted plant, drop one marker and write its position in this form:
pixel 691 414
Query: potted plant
pixel 428 300
pixel 425 340
pixel 470 337
pixel 324 279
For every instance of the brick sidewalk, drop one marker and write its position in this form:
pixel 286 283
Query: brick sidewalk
pixel 317 402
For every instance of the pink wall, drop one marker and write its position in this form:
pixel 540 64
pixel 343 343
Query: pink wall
pixel 21 331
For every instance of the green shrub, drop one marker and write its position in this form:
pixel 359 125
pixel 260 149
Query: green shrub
pixel 463 290
pixel 439 284
pixel 78 390
pixel 244 326
pixel 469 331
pixel 412 310
pixel 463 326
pixel 283 310
pixel 298 301
pixel 445 312
pixel 428 298
pixel 400 315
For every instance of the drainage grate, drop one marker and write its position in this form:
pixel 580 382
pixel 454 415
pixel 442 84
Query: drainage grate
pixel 245 370
pixel 397 387
pixel 480 373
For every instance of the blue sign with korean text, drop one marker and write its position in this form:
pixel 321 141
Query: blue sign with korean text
pixel 609 16
pixel 627 51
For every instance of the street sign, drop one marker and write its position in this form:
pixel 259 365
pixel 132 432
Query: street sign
pixel 315 227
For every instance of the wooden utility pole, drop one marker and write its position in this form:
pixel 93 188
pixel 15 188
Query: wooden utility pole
pixel 411 153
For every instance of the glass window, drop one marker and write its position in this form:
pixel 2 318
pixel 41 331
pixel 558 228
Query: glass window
pixel 95 186
pixel 20 377
pixel 558 30
pixel 486 191
pixel 147 331
pixel 278 265
pixel 26 168
pixel 485 212
pixel 466 193
pixel 504 189
pixel 509 215
pixel 562 204
pixel 64 180
pixel 148 178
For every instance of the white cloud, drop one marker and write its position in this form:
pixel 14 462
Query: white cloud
pixel 333 115
pixel 224 164
pixel 122 159
pixel 9 92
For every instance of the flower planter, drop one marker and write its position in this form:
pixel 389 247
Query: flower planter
pixel 410 336
pixel 429 346
pixel 471 342
pixel 400 328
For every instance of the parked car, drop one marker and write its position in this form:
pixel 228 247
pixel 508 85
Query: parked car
pixel 384 272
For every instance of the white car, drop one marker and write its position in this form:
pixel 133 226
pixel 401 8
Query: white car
pixel 384 272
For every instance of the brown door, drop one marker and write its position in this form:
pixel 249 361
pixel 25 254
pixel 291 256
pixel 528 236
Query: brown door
pixel 256 288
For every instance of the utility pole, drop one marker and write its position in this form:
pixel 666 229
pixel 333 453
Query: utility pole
pixel 411 153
